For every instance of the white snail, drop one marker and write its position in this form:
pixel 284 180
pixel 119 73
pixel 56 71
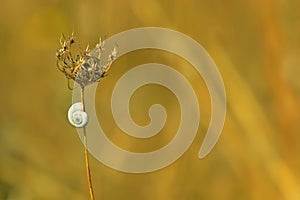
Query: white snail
pixel 76 116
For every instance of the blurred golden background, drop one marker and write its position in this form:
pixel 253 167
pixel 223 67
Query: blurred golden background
pixel 256 46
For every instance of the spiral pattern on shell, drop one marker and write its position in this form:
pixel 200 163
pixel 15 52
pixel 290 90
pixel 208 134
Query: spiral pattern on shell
pixel 76 116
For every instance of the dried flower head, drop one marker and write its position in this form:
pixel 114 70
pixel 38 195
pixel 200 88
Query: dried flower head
pixel 83 67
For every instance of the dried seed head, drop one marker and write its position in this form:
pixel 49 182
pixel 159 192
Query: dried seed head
pixel 83 68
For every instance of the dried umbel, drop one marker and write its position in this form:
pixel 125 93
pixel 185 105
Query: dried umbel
pixel 83 68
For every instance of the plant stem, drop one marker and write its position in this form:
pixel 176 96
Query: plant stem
pixel 86 153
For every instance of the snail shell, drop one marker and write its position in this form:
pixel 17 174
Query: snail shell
pixel 76 116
